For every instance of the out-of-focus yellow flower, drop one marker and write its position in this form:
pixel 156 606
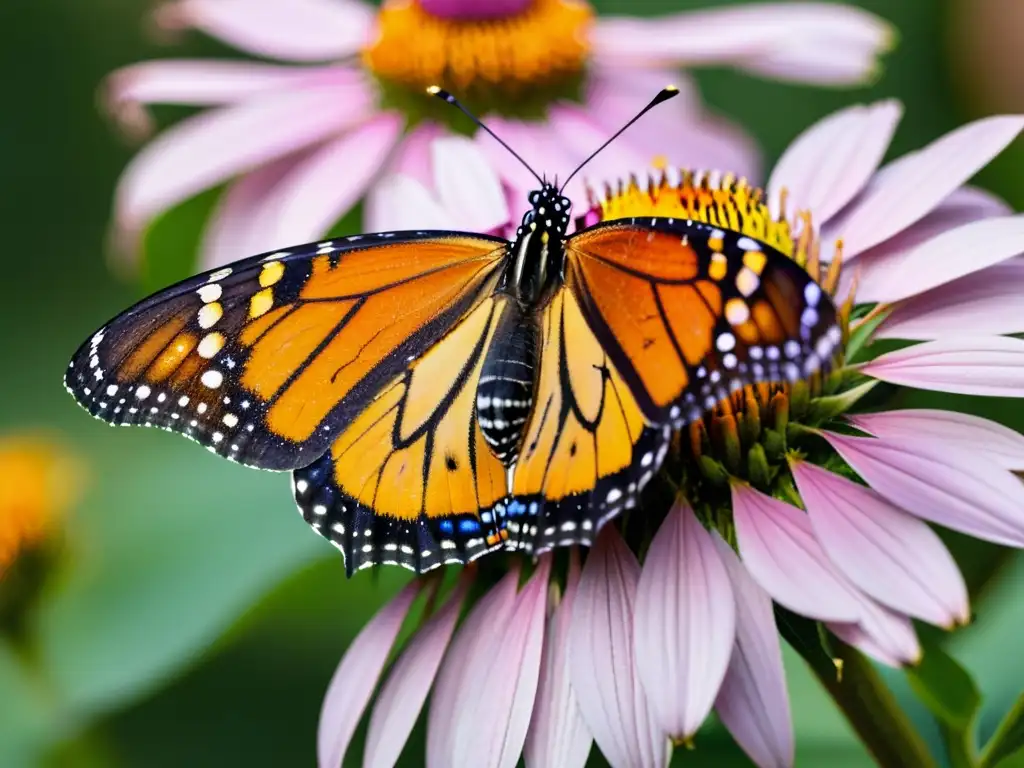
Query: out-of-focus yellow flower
pixel 39 481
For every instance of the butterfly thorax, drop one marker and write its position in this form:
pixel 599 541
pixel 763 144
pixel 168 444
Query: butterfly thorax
pixel 533 271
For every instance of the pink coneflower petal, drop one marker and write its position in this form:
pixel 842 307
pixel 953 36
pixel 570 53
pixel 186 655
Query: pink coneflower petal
pixel 191 82
pixel 299 30
pixel 356 677
pixel 955 488
pixel 805 34
pixel 829 163
pixel 617 93
pixel 986 303
pixel 909 188
pixel 467 185
pixel 603 661
pixel 970 365
pixel 818 63
pixel 399 202
pixel 685 623
pixel 321 189
pixel 237 226
pixel 886 636
pixel 218 144
pixel 401 698
pixel 753 702
pixel 778 547
pixel 558 737
pixel 447 734
pixel 899 275
pixel 492 729
pixel 893 557
pixel 961 430
pixel 541 148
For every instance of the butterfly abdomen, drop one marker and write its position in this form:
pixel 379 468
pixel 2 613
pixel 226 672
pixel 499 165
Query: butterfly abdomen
pixel 504 396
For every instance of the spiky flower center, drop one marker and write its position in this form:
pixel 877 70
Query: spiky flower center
pixel 507 64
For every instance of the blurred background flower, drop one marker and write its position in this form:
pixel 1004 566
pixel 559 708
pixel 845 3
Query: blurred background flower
pixel 198 614
pixel 300 144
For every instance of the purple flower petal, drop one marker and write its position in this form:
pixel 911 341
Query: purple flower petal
pixel 685 623
pixel 884 635
pixel 830 162
pixel 753 702
pixel 468 187
pixel 955 488
pixel 985 303
pixel 546 152
pixel 901 274
pixel 893 557
pixel 960 430
pixel 299 30
pixel 486 724
pixel 909 188
pixel 356 677
pixel 401 697
pixel 602 664
pixel 321 189
pixel 463 669
pixel 797 41
pixel 219 144
pixel 474 9
pixel 398 202
pixel 970 365
pixel 778 547
pixel 558 736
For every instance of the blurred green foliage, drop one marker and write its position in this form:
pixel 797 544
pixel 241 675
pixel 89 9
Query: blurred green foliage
pixel 195 620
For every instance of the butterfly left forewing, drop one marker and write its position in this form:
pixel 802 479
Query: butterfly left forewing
pixel 263 360
pixel 691 313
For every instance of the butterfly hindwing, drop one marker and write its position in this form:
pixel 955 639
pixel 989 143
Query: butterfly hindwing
pixel 410 481
pixel 691 313
pixel 260 361
pixel 587 452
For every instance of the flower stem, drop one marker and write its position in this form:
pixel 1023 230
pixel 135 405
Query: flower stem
pixel 872 710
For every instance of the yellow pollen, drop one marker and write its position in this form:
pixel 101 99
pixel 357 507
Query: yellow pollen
pixel 545 43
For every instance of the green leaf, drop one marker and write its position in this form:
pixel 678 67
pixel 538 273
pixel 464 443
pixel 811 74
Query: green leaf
pixel 860 338
pixel 1007 740
pixel 948 690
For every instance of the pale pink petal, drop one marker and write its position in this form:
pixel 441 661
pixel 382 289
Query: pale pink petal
pixel 602 664
pixel 398 202
pixel 970 365
pixel 237 228
pixel 467 185
pixel 414 157
pixel 753 702
pixel 297 30
pixel 819 64
pixel 893 557
pixel 538 145
pixel 744 35
pixel 615 94
pixel 955 488
pixel 320 190
pixel 685 623
pixel 909 188
pixel 960 430
pixel 830 162
pixel 193 82
pixel 401 697
pixel 558 736
pixel 944 258
pixel 778 547
pixel 218 144
pixel 985 303
pixel 884 635
pixel 485 725
pixel 356 677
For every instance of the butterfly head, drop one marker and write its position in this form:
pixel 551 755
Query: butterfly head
pixel 537 250
pixel 549 212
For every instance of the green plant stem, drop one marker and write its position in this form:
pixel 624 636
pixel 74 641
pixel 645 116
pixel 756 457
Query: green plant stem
pixel 872 710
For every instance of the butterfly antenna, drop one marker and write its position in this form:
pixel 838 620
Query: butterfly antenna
pixel 666 93
pixel 447 97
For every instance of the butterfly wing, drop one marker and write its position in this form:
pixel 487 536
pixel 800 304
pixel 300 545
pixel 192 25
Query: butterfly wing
pixel 263 360
pixel 587 451
pixel 411 481
pixel 690 313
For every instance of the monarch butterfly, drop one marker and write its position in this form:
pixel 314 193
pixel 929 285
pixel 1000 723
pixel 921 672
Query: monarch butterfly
pixel 439 395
